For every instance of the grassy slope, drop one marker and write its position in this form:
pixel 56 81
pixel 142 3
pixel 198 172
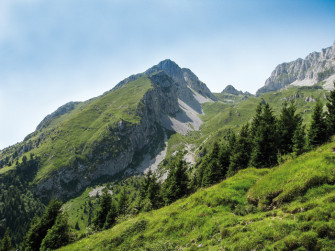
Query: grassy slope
pixel 78 132
pixel 222 115
pixel 283 208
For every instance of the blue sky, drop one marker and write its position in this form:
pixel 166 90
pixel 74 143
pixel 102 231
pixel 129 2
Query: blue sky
pixel 56 51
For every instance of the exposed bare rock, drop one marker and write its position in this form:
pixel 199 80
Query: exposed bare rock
pixel 309 99
pixel 316 67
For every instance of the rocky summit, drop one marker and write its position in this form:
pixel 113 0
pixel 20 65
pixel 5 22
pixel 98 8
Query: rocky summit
pixel 317 67
pixel 81 142
pixel 231 90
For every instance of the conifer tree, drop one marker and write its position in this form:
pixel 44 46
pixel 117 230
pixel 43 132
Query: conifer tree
pixel 225 153
pixel 58 235
pixel 256 120
pixel 6 243
pixel 39 227
pixel 150 189
pixel 299 140
pixel 105 206
pixel 145 184
pixel 241 151
pixel 176 184
pixel 212 173
pixel 317 134
pixel 196 181
pixel 122 203
pixel 111 217
pixel 154 191
pixel 331 112
pixel 287 124
pixel 265 138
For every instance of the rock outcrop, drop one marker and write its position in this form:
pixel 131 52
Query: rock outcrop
pixel 160 100
pixel 231 90
pixel 185 79
pixel 316 67
pixel 173 101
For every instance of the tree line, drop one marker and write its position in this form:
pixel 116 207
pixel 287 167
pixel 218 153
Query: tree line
pixel 260 144
pixel 263 142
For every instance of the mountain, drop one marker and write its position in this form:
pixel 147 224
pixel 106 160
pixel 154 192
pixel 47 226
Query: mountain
pixel 290 207
pixel 231 90
pixel 81 143
pixel 143 123
pixel 184 77
pixel 317 67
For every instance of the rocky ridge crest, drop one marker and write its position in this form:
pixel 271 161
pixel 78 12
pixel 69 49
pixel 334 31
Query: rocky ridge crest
pixel 316 67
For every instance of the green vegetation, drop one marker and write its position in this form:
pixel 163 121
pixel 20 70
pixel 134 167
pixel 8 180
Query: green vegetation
pixel 225 215
pixel 85 133
pixel 75 136
pixel 49 231
pixel 6 242
pixel 284 208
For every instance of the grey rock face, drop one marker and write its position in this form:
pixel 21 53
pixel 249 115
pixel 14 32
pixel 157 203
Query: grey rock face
pixel 316 67
pixel 172 86
pixel 231 90
pixel 162 99
pixel 183 78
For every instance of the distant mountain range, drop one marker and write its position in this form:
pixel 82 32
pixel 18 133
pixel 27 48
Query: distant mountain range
pixel 317 67
pixel 140 124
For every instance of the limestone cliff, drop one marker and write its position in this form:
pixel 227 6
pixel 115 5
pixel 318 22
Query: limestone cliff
pixel 82 143
pixel 316 67
pixel 160 100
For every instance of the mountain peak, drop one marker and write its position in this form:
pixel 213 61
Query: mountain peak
pixel 183 77
pixel 168 63
pixel 317 67
pixel 231 90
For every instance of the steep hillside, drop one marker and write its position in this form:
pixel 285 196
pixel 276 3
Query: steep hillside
pixel 317 67
pixel 139 125
pixel 285 208
pixel 120 133
pixel 102 136
pixel 232 111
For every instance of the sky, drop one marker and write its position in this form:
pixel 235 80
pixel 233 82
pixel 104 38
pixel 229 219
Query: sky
pixel 56 51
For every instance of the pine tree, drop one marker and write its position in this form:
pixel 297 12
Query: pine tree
pixel 105 206
pixel 287 124
pixel 241 152
pixel 153 193
pixel 39 227
pixel 196 181
pixel 122 203
pixel 6 243
pixel 150 189
pixel 145 184
pixel 331 112
pixel 317 134
pixel 256 120
pixel 299 140
pixel 176 184
pixel 265 139
pixel 212 173
pixel 58 235
pixel 111 217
